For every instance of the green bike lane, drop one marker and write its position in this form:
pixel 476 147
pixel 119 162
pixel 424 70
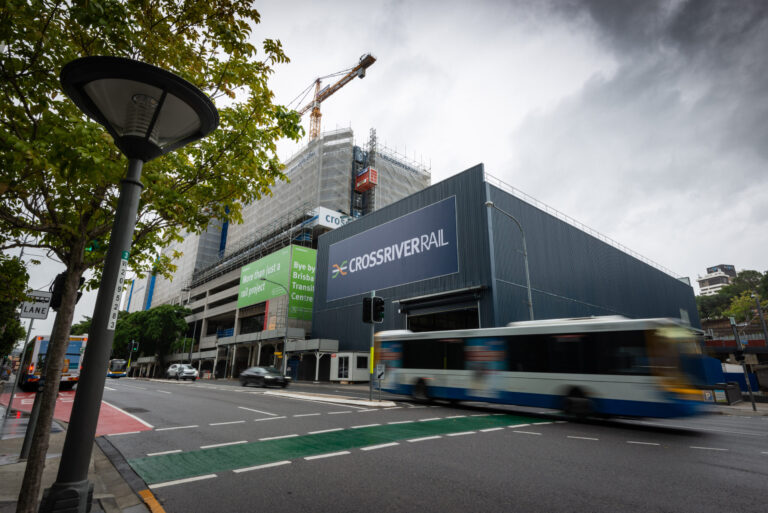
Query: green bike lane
pixel 172 467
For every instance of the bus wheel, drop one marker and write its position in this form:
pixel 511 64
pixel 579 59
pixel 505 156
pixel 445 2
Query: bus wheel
pixel 577 405
pixel 420 392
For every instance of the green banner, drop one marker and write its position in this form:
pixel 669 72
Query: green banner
pixel 292 267
pixel 274 267
pixel 302 283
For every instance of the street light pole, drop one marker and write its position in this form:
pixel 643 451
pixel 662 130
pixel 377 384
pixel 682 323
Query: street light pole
pixel 490 204
pixel 285 335
pixel 148 112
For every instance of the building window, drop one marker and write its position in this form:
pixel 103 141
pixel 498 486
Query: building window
pixel 362 362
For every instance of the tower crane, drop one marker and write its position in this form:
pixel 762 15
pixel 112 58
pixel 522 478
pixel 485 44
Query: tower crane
pixel 323 94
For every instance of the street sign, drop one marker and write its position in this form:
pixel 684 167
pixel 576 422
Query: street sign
pixel 38 307
pixel 380 368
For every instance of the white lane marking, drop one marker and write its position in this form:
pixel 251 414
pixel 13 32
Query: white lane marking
pixel 365 426
pixel 108 388
pixel 462 433
pixel 132 386
pixel 491 429
pixel 126 433
pixel 176 427
pixel 527 432
pixel 269 418
pixel 456 417
pixel 380 446
pixel 181 481
pixel 338 412
pixel 394 408
pixel 277 437
pixel 223 444
pixel 708 448
pixel 641 443
pixel 325 431
pixel 543 423
pixel 367 409
pixel 582 438
pixel 134 417
pixel 306 415
pixel 699 428
pixel 427 420
pixel 258 467
pixel 226 423
pixel 764 452
pixel 480 415
pixel 257 411
pixel 424 438
pixel 518 425
pixel 163 391
pixel 402 422
pixel 163 452
pixel 329 455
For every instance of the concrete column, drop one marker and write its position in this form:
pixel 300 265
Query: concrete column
pixel 318 355
pixel 250 354
pixel 234 356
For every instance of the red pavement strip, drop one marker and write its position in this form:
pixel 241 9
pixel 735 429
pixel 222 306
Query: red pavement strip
pixel 112 420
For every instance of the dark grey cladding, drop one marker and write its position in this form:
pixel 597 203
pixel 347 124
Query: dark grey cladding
pixel 573 274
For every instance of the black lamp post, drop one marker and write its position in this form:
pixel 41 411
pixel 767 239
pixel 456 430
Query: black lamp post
pixel 149 112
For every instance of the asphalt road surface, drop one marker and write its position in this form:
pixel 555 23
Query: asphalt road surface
pixel 218 447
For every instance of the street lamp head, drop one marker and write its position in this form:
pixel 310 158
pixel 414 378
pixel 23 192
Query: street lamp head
pixel 147 110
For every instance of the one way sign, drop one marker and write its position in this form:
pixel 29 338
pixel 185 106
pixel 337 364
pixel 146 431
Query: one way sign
pixel 38 307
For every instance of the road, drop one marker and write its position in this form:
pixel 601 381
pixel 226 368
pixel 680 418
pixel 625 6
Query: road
pixel 217 447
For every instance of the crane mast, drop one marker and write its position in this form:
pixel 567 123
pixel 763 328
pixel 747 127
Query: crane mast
pixel 323 94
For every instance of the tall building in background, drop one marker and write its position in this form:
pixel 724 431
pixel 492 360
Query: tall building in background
pixel 716 278
pixel 331 182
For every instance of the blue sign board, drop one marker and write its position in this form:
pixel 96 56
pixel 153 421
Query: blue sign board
pixel 415 247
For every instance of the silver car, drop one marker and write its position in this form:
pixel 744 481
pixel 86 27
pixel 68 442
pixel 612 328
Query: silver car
pixel 181 371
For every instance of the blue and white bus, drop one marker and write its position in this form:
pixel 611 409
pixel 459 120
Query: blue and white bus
pixel 590 366
pixel 34 359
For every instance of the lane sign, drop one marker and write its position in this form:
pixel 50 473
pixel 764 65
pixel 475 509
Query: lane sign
pixel 38 307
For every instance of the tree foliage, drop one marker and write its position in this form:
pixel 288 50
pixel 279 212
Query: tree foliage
pixel 13 288
pixel 59 172
pixel 81 328
pixel 733 300
pixel 743 308
pixel 159 331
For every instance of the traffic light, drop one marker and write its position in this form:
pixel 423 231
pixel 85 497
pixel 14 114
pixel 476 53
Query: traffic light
pixel 739 354
pixel 367 310
pixel 134 346
pixel 378 310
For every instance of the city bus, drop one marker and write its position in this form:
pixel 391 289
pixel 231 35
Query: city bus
pixel 117 369
pixel 33 362
pixel 602 366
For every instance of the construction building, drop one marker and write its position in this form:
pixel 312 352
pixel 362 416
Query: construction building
pixel 331 182
pixel 717 277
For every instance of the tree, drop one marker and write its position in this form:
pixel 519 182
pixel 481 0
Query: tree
pixel 746 280
pixel 82 327
pixel 743 307
pixel 13 288
pixel 59 173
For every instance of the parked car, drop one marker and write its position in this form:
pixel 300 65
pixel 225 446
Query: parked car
pixel 264 377
pixel 181 371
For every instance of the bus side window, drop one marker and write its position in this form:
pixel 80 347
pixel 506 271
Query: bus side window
pixel 527 353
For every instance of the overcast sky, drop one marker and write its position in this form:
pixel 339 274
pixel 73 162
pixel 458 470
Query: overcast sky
pixel 646 121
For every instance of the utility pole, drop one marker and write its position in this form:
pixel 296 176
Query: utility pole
pixel 740 358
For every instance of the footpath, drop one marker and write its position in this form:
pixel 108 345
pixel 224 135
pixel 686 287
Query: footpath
pixel 118 489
